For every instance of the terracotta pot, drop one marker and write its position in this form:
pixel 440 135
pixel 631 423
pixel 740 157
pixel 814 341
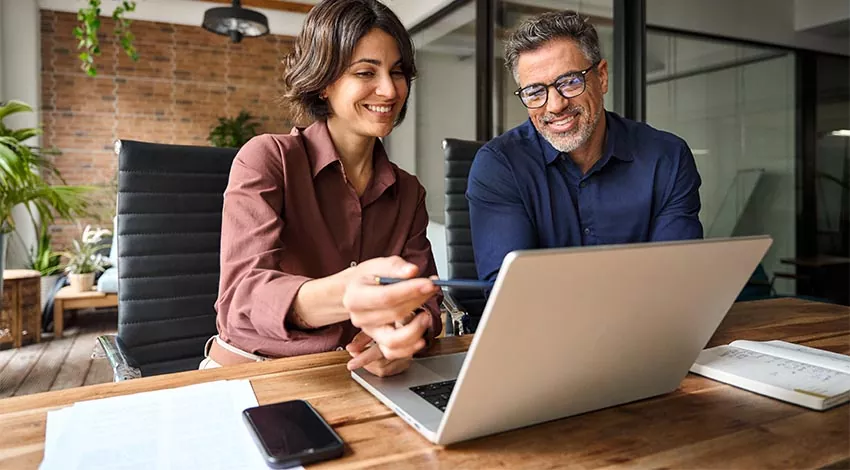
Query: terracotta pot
pixel 81 282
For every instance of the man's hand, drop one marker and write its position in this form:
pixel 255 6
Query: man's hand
pixel 367 354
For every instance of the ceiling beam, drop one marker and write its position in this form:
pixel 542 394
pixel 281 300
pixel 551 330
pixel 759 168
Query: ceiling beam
pixel 280 5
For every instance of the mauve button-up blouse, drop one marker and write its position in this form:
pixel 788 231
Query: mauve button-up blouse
pixel 290 216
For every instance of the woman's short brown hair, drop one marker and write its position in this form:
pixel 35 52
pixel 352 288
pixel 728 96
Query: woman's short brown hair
pixel 324 48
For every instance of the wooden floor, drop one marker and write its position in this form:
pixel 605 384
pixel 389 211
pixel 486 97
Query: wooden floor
pixel 59 364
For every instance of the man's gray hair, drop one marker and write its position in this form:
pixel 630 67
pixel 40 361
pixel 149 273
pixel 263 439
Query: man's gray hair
pixel 536 31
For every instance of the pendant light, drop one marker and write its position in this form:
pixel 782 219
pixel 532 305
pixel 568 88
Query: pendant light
pixel 236 22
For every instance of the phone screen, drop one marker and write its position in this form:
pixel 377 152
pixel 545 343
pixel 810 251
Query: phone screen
pixel 290 429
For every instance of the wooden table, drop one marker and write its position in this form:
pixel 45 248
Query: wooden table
pixel 68 299
pixel 704 424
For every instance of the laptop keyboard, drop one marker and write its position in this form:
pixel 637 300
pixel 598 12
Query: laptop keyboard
pixel 436 394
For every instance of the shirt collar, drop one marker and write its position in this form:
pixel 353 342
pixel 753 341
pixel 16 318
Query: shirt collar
pixel 384 176
pixel 320 148
pixel 616 143
pixel 321 152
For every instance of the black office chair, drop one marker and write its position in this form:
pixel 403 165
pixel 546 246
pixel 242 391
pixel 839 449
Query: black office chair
pixel 169 228
pixel 461 260
pixel 170 200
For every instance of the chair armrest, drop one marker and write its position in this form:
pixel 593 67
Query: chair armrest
pixel 455 313
pixel 123 366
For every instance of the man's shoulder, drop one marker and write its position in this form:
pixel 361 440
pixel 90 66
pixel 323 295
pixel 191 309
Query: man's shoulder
pixel 520 138
pixel 647 141
pixel 516 147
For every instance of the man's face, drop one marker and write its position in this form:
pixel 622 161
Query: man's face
pixel 566 123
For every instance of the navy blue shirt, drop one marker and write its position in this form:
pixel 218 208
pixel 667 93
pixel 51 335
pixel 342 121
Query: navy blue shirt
pixel 525 194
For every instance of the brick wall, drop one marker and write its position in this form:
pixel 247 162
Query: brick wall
pixel 185 79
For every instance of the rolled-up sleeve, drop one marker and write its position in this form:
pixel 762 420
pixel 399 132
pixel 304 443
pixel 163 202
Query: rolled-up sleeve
pixel 252 289
pixel 417 250
pixel 679 217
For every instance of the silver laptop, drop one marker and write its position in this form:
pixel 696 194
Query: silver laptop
pixel 567 331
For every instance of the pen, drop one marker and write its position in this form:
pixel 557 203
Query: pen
pixel 455 283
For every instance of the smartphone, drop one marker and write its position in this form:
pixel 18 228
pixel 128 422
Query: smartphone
pixel 292 433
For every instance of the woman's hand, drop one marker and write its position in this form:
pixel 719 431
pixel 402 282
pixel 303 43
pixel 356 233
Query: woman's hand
pixel 353 294
pixel 384 312
pixel 367 354
pixel 370 304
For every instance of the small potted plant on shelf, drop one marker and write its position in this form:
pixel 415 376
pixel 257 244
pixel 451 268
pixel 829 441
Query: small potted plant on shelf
pixel 85 259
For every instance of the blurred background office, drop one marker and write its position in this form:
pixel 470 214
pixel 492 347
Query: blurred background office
pixel 760 90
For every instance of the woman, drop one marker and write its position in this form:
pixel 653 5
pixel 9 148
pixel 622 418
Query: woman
pixel 312 217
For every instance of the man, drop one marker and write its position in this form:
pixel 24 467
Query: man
pixel 574 174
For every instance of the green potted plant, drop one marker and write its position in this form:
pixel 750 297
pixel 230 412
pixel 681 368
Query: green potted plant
pixel 85 259
pixel 22 176
pixel 47 262
pixel 233 132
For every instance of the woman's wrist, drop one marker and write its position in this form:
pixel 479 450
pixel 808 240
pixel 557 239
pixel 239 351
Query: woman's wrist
pixel 319 302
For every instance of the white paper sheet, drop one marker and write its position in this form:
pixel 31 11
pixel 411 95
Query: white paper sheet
pixel 198 426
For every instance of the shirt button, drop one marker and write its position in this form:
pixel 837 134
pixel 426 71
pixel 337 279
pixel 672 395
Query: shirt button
pixel 583 184
pixel 353 264
pixel 587 231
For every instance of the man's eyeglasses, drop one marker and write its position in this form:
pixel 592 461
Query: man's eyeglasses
pixel 568 85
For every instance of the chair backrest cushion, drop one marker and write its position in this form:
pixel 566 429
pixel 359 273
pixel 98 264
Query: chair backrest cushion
pixel 170 200
pixel 461 260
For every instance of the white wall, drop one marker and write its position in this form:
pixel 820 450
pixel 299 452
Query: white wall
pixel 445 108
pixel 2 43
pixel 20 79
pixel 437 237
pixel 20 61
pixel 401 143
pixel 441 105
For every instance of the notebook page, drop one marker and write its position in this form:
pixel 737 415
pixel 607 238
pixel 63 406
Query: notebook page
pixel 780 372
pixel 796 352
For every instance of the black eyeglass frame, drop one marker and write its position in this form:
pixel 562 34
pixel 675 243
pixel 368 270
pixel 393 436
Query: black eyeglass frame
pixel 581 74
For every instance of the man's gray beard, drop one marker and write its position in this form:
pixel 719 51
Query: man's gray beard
pixel 570 144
